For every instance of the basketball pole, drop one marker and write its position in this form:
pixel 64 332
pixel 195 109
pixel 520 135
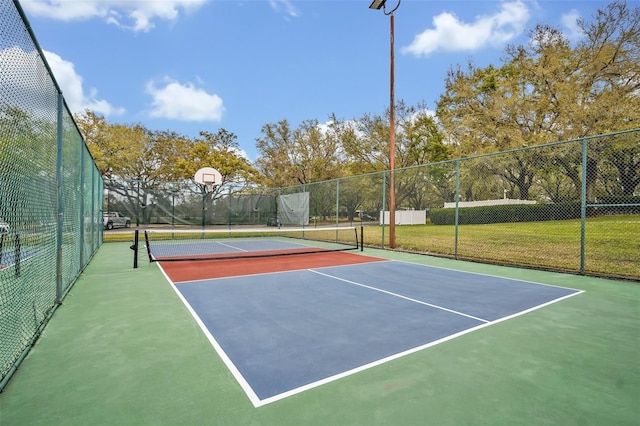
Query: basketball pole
pixel 206 178
pixel 204 205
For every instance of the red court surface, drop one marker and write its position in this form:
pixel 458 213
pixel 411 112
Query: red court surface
pixel 207 269
pixel 235 255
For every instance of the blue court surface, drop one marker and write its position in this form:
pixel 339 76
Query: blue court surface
pixel 8 258
pixel 191 248
pixel 283 333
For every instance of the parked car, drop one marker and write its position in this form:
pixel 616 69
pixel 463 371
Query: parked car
pixel 4 227
pixel 366 217
pixel 116 220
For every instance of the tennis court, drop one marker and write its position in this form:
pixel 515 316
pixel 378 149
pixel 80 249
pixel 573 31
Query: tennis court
pixel 286 324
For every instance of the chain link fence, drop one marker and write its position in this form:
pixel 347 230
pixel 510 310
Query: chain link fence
pixel 569 206
pixel 50 193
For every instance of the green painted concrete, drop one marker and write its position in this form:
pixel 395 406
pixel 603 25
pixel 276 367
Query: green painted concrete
pixel 123 350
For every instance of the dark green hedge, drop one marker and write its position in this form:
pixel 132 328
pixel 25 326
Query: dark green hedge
pixel 507 213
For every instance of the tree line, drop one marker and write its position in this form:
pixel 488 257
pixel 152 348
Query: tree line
pixel 549 89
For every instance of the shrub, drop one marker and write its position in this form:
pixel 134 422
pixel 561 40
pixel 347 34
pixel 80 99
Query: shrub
pixel 507 213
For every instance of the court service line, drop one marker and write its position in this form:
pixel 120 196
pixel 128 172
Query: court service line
pixel 231 247
pixel 401 296
pixel 484 274
pixel 404 353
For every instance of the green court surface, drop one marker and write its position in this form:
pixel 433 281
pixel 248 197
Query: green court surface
pixel 124 350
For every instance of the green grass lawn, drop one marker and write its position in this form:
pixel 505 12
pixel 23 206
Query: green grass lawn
pixel 612 245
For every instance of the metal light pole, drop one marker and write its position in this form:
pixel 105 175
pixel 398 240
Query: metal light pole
pixel 377 5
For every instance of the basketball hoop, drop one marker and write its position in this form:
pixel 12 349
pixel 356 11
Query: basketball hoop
pixel 208 178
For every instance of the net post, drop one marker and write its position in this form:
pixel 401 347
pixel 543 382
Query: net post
pixel 146 241
pixel 17 254
pixel 361 238
pixel 134 247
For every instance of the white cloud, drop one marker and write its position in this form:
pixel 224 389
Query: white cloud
pixel 242 153
pixel 327 127
pixel 422 112
pixel 25 70
pixel 70 83
pixel 451 34
pixel 136 15
pixel 570 22
pixel 288 6
pixel 324 127
pixel 184 102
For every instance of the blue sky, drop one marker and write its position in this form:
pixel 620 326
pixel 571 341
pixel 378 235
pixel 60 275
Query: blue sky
pixel 192 65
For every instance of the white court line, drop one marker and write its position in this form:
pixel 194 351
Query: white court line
pixel 400 296
pixel 366 366
pixel 487 275
pixel 257 402
pixel 225 358
pixel 231 247
pixel 238 249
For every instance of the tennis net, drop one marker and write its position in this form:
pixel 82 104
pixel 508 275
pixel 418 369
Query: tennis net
pixel 173 245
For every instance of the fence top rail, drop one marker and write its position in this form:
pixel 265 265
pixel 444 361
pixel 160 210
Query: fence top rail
pixel 526 148
pixel 490 154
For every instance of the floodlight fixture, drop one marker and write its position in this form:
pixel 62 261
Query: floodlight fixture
pixel 377 4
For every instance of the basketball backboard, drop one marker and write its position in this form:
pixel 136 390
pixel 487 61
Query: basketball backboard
pixel 208 177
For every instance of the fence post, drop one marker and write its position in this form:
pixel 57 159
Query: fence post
pixel 337 204
pixel 100 205
pixel 173 208
pixel 457 209
pixel 229 210
pixel 60 200
pixel 82 201
pixel 93 210
pixel 137 202
pixel 583 206
pixel 384 205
